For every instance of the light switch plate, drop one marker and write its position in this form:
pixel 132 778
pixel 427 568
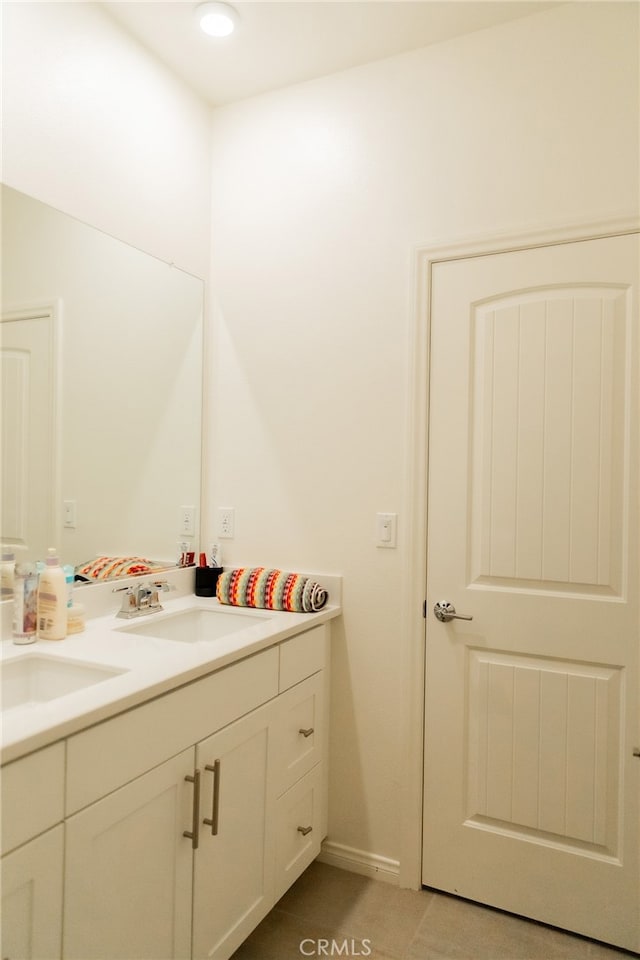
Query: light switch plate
pixel 386 529
pixel 69 514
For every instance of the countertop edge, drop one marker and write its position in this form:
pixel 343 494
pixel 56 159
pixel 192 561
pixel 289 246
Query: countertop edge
pixel 71 725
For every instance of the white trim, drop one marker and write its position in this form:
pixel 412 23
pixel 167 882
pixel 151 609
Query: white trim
pixel 414 579
pixel 534 236
pixel 413 624
pixel 359 861
pixel 49 309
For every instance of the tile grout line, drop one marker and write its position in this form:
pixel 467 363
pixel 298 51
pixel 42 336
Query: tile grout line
pixel 304 919
pixel 346 935
pixel 430 903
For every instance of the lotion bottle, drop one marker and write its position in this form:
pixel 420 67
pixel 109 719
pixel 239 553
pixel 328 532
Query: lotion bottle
pixel 52 600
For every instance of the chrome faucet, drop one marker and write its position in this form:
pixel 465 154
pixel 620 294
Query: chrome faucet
pixel 141 599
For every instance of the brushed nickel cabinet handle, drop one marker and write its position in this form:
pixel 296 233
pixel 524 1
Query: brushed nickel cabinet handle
pixel 304 830
pixel 195 812
pixel 215 802
pixel 306 732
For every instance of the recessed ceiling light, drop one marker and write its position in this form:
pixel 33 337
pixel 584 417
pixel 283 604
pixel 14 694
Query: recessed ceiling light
pixel 217 19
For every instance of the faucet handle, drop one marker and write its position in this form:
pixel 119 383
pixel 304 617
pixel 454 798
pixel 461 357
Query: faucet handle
pixel 162 585
pixel 129 602
pixel 153 586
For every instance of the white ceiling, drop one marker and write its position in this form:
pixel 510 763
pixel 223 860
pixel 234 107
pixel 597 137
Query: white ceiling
pixel 280 43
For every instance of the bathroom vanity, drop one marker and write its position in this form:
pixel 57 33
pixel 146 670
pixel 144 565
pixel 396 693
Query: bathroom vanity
pixel 162 809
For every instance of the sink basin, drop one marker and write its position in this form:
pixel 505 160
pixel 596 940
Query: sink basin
pixel 199 623
pixel 37 678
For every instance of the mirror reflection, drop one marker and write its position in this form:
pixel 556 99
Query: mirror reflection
pixel 101 392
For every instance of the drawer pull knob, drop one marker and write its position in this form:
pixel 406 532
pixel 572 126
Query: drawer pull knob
pixel 215 803
pixel 304 830
pixel 195 814
pixel 306 731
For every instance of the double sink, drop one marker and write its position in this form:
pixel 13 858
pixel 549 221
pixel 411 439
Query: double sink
pixel 36 678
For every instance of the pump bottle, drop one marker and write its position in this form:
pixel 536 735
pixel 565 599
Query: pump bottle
pixel 52 600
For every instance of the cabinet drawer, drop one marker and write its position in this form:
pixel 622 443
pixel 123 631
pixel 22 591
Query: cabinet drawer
pixel 32 795
pixel 302 655
pixel 110 754
pixel 299 809
pixel 299 731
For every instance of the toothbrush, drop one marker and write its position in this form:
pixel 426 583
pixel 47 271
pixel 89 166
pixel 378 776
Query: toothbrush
pixel 216 555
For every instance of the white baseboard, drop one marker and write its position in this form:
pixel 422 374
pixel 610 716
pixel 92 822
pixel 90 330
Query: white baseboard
pixel 360 861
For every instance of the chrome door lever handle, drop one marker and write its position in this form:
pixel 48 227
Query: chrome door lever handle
pixel 446 611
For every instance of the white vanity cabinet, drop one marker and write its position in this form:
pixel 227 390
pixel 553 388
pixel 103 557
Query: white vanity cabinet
pixel 32 862
pixel 188 817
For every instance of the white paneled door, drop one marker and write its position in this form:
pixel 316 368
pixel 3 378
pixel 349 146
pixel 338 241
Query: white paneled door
pixel 28 432
pixel 532 789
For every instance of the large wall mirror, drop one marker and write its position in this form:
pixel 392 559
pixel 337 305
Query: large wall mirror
pixel 101 391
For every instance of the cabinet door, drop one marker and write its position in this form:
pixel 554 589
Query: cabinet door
pixel 128 870
pixel 233 876
pixel 32 899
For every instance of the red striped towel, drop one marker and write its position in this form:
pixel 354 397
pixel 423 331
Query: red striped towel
pixel 270 589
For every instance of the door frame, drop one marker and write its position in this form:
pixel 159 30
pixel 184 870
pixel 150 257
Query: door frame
pixel 413 625
pixel 49 309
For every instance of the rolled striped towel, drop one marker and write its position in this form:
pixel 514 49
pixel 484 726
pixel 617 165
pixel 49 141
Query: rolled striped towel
pixel 108 568
pixel 270 589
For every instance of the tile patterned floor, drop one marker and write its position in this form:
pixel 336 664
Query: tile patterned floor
pixel 381 922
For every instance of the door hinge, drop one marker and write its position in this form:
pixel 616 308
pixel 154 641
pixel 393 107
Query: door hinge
pixel 424 609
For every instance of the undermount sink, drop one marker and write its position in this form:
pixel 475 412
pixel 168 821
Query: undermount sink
pixel 37 678
pixel 199 623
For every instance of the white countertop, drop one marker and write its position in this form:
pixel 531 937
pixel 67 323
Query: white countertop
pixel 150 666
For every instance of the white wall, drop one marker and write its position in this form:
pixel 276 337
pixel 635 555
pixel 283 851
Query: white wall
pixel 96 127
pixel 319 193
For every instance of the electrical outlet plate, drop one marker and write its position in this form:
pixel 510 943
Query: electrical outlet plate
pixel 226 523
pixel 187 527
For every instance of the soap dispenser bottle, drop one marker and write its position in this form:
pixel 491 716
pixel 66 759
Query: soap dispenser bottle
pixel 52 600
